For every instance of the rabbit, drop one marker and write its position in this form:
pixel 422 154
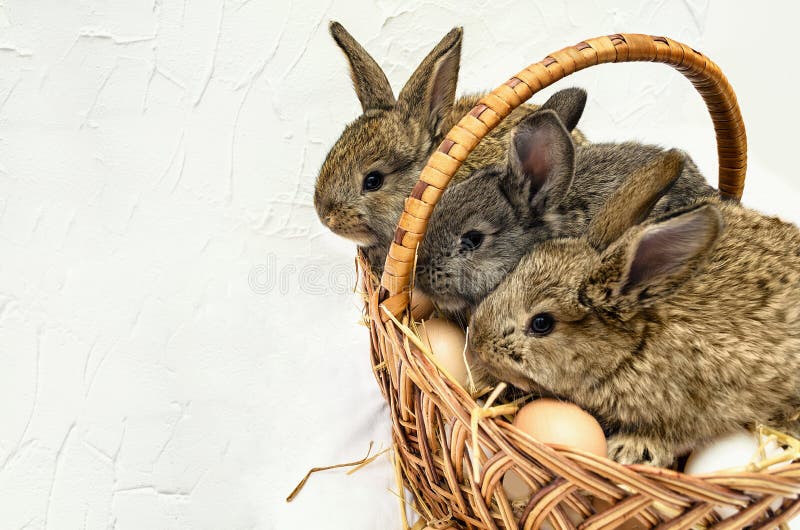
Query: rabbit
pixel 547 188
pixel 671 331
pixel 362 185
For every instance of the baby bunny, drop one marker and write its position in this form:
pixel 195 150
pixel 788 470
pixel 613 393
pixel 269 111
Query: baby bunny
pixel 373 166
pixel 670 332
pixel 548 188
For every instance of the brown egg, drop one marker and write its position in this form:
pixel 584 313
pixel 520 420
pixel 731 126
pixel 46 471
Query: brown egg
pixel 446 341
pixel 421 305
pixel 558 422
pixel 555 422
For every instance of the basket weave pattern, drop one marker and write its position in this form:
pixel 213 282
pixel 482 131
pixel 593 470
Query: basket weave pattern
pixel 452 453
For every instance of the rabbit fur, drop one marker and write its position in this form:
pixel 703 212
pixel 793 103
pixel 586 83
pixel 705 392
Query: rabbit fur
pixel 670 332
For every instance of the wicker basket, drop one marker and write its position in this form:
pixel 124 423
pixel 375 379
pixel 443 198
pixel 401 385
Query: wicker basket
pixel 452 453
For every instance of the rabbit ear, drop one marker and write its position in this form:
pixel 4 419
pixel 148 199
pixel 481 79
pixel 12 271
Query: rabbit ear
pixel 542 162
pixel 372 87
pixel 568 104
pixel 431 91
pixel 654 262
pixel 632 202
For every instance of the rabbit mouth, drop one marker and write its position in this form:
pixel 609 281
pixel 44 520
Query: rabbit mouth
pixel 506 375
pixel 509 376
pixel 361 236
pixel 362 239
pixel 439 286
pixel 523 383
pixel 450 303
pixel 350 227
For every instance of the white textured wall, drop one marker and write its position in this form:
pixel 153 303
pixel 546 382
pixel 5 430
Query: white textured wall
pixel 157 160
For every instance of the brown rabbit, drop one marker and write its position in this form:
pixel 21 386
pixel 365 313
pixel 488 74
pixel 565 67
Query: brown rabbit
pixel 370 170
pixel 670 332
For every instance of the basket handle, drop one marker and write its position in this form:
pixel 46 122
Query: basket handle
pixel 704 74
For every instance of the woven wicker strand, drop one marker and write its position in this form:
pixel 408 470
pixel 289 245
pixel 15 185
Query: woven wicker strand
pixel 452 453
pixel 495 106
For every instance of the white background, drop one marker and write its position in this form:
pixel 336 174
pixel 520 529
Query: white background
pixel 157 163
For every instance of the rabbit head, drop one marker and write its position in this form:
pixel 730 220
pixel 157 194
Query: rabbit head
pixel 483 225
pixel 371 168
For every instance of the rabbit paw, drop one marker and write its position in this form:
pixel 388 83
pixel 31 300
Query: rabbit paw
pixel 632 449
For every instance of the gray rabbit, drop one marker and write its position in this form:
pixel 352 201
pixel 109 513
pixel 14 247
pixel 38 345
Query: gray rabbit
pixel 671 332
pixel 371 169
pixel 548 188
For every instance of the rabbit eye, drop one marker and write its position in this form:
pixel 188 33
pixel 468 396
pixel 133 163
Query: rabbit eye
pixel 541 325
pixel 471 240
pixel 373 181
